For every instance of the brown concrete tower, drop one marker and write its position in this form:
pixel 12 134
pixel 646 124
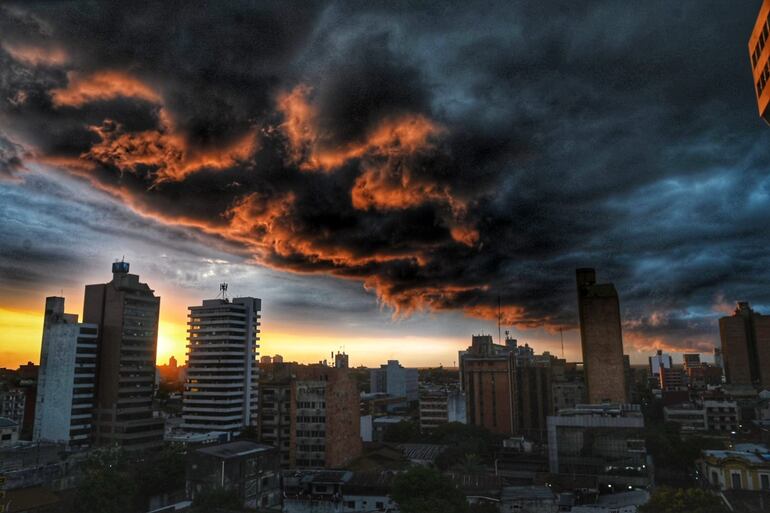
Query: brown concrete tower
pixel 126 312
pixel 602 339
pixel 746 346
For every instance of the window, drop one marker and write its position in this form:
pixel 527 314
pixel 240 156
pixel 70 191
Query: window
pixel 764 480
pixel 714 478
pixel 736 478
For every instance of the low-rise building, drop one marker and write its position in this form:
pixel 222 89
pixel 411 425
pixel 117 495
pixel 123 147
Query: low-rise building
pixel 337 491
pixel 602 442
pixel 717 416
pixel 12 403
pixel 9 431
pixel 747 467
pixel 441 406
pixel 249 469
pixel 623 502
pixel 690 417
pixel 530 499
pixel 722 416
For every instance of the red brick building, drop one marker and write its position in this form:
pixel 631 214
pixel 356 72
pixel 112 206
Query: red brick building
pixel 311 413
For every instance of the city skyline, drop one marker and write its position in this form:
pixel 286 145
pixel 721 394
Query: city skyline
pixel 382 179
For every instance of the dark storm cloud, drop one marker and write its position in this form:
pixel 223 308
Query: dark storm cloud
pixel 444 155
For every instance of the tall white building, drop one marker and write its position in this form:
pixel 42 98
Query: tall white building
pixel 221 390
pixel 660 359
pixel 64 409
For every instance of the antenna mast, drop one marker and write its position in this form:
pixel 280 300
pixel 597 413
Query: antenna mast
pixel 499 320
pixel 561 333
pixel 223 290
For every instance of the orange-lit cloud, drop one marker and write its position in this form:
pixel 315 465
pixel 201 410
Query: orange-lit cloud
pixel 384 188
pixel 266 225
pixel 100 86
pixel 645 343
pixel 514 315
pixel 398 136
pixel 35 55
pixel 164 150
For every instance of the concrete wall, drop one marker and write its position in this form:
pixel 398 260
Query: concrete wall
pixel 53 410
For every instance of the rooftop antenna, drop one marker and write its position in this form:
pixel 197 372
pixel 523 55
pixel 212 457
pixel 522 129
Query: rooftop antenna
pixel 223 290
pixel 499 320
pixel 561 333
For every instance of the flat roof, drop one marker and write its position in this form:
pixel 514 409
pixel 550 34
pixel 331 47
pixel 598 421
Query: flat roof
pixel 235 449
pixel 510 493
pixel 6 422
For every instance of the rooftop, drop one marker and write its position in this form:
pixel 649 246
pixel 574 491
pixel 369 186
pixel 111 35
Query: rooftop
pixel 619 500
pixel 235 449
pixel 512 493
pixel 425 452
pixel 6 423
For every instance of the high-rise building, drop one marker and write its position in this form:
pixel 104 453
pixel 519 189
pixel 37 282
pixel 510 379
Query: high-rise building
pixel 486 377
pixel 718 357
pixel 66 385
pixel 691 361
pixel 341 360
pixel 126 312
pixel 510 390
pixel 602 339
pixel 759 51
pixel 395 380
pixel 659 361
pixel 672 378
pixel 745 339
pixel 311 413
pixel 221 392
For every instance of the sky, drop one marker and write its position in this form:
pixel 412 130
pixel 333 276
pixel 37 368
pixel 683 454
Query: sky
pixel 384 174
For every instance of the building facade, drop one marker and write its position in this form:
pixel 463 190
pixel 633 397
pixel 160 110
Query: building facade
pixel 441 406
pixel 747 467
pixel 658 361
pixel 13 404
pixel 745 338
pixel 672 378
pixel 66 385
pixel 311 413
pixel 221 391
pixel 393 379
pixel 710 415
pixel 510 390
pixel 603 442
pixel 9 432
pixel 602 339
pixel 126 313
pixel 249 470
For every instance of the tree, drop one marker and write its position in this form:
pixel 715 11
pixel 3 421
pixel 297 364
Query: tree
pixel 105 486
pixel 160 473
pixel 683 500
pixel 424 490
pixel 402 432
pixel 216 499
